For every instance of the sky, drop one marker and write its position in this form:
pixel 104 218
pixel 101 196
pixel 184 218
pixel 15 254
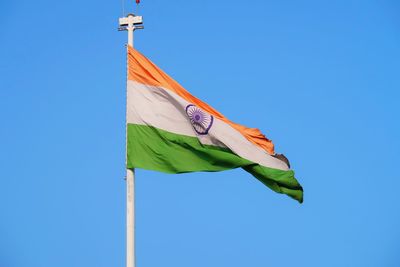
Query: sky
pixel 319 78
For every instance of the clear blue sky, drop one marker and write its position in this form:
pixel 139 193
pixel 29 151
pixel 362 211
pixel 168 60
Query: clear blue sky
pixel 320 78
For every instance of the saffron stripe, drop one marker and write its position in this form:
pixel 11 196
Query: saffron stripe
pixel 142 70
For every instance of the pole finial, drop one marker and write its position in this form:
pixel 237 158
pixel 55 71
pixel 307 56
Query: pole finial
pixel 130 23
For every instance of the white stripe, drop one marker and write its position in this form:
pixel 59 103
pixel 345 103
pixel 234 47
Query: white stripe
pixel 163 109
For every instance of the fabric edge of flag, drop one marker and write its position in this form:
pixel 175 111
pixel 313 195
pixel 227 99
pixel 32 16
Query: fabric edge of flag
pixel 283 182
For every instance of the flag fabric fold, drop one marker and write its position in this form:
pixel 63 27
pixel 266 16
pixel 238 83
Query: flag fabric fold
pixel 171 131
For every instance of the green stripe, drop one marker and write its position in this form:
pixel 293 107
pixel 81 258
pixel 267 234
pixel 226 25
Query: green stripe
pixel 155 149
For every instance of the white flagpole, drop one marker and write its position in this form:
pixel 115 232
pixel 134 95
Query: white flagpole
pixel 130 187
pixel 130 218
pixel 130 23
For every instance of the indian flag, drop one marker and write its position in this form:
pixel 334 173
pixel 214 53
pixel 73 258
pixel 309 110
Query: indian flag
pixel 169 130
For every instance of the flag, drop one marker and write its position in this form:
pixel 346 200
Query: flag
pixel 169 130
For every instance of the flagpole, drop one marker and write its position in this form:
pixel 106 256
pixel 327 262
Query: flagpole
pixel 130 189
pixel 130 218
pixel 130 23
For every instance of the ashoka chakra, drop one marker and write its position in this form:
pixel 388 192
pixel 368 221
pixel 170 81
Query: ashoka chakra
pixel 200 120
